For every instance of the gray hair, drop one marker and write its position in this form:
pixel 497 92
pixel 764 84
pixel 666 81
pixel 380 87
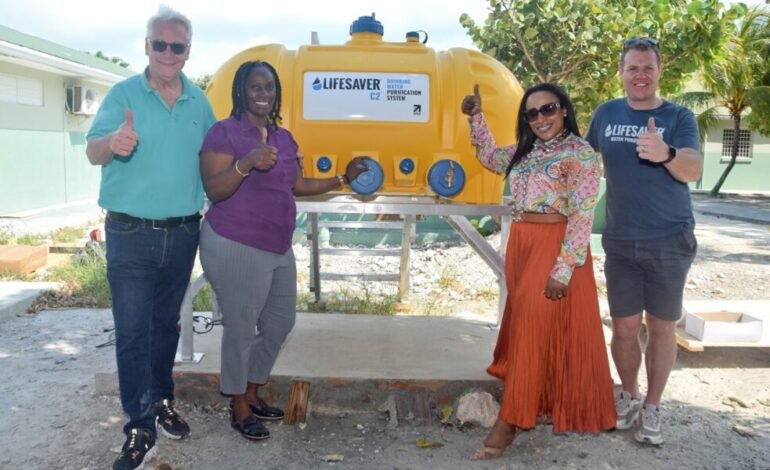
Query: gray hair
pixel 166 14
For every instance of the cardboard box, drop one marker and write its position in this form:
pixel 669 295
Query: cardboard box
pixel 723 326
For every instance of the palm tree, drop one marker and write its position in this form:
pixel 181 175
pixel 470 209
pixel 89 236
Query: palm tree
pixel 734 82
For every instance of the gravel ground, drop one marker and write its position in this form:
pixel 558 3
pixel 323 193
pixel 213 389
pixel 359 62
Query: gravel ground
pixel 716 413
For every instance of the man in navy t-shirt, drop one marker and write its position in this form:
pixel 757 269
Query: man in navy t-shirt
pixel 650 149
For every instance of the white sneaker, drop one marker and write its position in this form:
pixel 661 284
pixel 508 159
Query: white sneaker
pixel 649 430
pixel 627 409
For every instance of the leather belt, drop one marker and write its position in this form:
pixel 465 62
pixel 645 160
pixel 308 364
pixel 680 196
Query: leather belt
pixel 538 218
pixel 170 222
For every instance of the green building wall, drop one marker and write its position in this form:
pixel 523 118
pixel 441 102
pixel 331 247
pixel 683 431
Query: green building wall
pixel 747 175
pixel 42 149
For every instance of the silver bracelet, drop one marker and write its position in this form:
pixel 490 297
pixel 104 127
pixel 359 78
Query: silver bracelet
pixel 238 170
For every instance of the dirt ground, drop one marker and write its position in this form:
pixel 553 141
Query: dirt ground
pixel 716 412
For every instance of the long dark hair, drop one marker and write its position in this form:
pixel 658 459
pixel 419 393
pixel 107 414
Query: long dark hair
pixel 240 97
pixel 526 137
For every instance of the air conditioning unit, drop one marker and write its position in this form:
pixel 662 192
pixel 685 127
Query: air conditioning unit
pixel 83 100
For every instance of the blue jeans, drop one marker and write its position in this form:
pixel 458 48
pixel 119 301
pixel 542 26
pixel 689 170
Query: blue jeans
pixel 148 271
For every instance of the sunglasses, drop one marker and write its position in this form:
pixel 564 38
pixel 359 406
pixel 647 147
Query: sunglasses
pixel 547 110
pixel 633 42
pixel 176 47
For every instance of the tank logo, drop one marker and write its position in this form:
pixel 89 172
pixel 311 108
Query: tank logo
pixel 340 83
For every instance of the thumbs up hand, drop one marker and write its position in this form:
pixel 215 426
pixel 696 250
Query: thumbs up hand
pixel 650 145
pixel 123 141
pixel 263 156
pixel 471 104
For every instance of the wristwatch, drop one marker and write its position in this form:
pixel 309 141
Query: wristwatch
pixel 671 155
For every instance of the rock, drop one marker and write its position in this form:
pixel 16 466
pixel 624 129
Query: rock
pixel 478 407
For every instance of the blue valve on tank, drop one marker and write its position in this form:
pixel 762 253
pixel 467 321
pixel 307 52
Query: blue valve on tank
pixel 406 166
pixel 446 178
pixel 324 164
pixel 369 181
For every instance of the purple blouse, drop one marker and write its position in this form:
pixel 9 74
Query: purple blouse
pixel 261 213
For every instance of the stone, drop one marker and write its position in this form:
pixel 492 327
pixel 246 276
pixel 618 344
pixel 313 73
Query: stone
pixel 478 407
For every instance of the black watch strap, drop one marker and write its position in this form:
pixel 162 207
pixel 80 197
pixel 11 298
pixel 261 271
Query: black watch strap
pixel 671 155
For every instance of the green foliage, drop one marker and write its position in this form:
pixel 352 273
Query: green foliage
pixel 359 301
pixel 203 81
pixel 30 239
pixel 577 43
pixel 68 234
pixel 203 299
pixel 737 81
pixel 6 235
pixel 113 59
pixel 85 278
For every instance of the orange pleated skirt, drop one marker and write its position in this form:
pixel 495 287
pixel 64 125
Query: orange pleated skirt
pixel 551 355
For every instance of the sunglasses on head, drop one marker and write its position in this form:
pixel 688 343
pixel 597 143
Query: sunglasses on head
pixel 159 45
pixel 547 110
pixel 633 42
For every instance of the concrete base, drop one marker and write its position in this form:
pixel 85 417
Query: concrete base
pixel 354 363
pixel 17 296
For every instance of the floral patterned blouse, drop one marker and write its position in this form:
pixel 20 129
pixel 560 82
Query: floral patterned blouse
pixel 558 176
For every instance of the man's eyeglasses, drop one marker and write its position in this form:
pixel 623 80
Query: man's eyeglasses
pixel 633 42
pixel 177 48
pixel 547 110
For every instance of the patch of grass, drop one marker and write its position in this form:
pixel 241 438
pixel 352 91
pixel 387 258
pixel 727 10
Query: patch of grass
pixel 6 275
pixel 31 239
pixel 449 279
pixel 5 235
pixel 202 300
pixel 360 301
pixel 85 278
pixel 68 234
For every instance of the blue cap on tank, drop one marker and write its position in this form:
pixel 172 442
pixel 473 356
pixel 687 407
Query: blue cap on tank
pixel 367 24
pixel 369 181
pixel 446 178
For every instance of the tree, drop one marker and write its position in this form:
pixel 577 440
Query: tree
pixel 203 81
pixel 577 43
pixel 738 82
pixel 114 59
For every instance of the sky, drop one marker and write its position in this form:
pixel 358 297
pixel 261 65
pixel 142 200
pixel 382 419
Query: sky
pixel 222 28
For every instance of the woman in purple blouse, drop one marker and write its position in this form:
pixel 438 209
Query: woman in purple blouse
pixel 251 172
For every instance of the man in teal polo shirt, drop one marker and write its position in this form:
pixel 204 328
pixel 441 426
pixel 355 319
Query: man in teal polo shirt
pixel 146 136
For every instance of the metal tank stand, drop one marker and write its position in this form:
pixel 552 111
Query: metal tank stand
pixel 408 207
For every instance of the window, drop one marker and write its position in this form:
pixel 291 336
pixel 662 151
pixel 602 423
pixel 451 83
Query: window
pixel 744 144
pixel 20 90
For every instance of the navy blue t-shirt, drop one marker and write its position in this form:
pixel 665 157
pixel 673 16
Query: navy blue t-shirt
pixel 643 200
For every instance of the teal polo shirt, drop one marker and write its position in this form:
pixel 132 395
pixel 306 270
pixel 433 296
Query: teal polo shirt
pixel 161 178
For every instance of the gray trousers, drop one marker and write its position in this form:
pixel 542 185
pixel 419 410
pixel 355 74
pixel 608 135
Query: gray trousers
pixel 257 292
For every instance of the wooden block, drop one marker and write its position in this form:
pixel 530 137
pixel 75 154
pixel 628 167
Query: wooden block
pixel 22 259
pixel 296 408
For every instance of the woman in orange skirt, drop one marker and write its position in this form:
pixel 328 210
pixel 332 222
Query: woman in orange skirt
pixel 550 352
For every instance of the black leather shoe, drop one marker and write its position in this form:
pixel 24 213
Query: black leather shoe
pixel 250 428
pixel 266 412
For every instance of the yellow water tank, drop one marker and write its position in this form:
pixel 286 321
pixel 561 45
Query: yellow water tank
pixel 397 103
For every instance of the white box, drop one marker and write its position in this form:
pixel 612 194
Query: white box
pixel 723 326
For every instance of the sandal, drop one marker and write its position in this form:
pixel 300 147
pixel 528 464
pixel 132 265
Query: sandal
pixel 486 451
pixel 266 412
pixel 250 428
